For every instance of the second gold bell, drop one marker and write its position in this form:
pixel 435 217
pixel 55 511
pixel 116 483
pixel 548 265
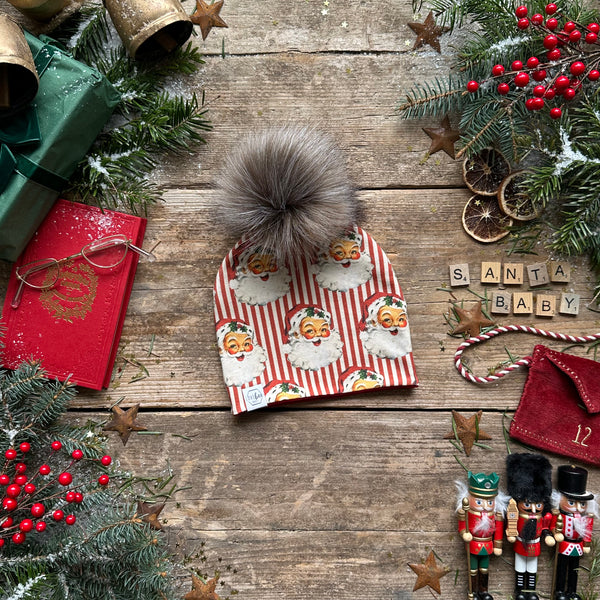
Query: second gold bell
pixel 150 29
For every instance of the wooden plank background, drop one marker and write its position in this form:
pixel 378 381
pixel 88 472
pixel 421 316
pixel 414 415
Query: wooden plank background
pixel 328 498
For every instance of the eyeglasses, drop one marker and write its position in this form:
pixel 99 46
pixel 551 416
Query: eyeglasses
pixel 105 253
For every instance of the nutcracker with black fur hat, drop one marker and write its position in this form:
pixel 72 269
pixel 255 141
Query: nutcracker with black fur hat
pixel 529 483
pixel 306 294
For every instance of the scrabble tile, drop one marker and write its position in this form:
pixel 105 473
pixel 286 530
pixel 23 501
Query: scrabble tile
pixel 491 272
pixel 569 304
pixel 501 303
pixel 560 272
pixel 545 305
pixel 459 275
pixel 512 273
pixel 522 303
pixel 538 274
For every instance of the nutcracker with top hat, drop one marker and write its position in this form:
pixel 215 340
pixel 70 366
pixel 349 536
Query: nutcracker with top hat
pixel 529 483
pixel 576 510
pixel 481 526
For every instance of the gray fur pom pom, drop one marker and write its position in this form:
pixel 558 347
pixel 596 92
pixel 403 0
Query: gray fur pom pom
pixel 287 191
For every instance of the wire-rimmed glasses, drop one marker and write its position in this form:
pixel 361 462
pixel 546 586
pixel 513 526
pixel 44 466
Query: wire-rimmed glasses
pixel 104 253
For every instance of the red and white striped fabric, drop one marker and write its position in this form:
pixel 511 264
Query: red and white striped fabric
pixel 335 326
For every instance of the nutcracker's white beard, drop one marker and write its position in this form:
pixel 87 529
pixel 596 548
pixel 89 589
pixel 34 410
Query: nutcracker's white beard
pixel 304 354
pixel 252 289
pixel 485 526
pixel 244 366
pixel 339 278
pixel 381 342
pixel 583 525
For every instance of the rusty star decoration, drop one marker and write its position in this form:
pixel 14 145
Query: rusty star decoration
pixel 428 33
pixel 429 573
pixel 201 590
pixel 472 320
pixel 149 513
pixel 123 422
pixel 207 16
pixel 442 138
pixel 467 431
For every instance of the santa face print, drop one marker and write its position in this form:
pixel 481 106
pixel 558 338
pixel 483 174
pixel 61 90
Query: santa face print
pixel 242 359
pixel 344 267
pixel 315 330
pixel 387 335
pixel 365 384
pixel 259 280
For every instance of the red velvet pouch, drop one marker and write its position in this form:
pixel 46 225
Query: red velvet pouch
pixel 559 410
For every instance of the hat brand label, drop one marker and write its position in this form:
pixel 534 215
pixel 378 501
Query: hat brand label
pixel 255 397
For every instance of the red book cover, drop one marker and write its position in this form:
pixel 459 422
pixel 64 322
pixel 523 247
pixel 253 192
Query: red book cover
pixel 72 326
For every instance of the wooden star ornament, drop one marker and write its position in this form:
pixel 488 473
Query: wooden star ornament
pixel 123 422
pixel 428 33
pixel 429 573
pixel 149 513
pixel 470 321
pixel 466 430
pixel 207 16
pixel 201 590
pixel 442 138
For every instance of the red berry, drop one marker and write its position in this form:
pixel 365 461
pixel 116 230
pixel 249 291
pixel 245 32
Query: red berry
pixel 556 113
pixel 521 11
pixel 569 94
pixel 591 37
pixel 45 470
pixel 533 62
pixel 78 497
pixel 103 479
pixel 4 479
pixel 1 542
pixel 577 68
pixel 562 82
pixel 550 41
pixel 523 23
pixel 472 86
pixel 554 54
pixel 26 525
pixel 70 519
pixel 25 447
pixel 594 75
pixel 8 522
pixel 13 490
pixel 70 497
pixel 9 504
pixel 40 526
pixel 575 36
pixel 18 537
pixel 539 91
pixel 594 27
pixel 521 79
pixel 56 445
pixel 20 467
pixel 569 26
pixel 77 454
pixel 497 70
pixel 529 103
pixel 106 459
pixel 551 8
pixel 503 88
pixel 575 83
pixel 65 478
pixel 58 515
pixel 537 19
pixel 38 509
pixel 29 488
pixel 537 103
pixel 552 24
pixel 10 454
pixel 20 479
pixel 516 65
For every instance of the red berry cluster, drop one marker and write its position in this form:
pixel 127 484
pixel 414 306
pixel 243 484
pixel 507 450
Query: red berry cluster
pixel 25 505
pixel 568 62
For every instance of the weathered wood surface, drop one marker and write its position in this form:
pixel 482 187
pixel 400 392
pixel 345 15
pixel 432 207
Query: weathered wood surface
pixel 334 497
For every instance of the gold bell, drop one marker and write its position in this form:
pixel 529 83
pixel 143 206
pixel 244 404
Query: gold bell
pixel 40 10
pixel 150 29
pixel 18 76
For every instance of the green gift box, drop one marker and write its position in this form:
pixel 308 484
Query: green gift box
pixel 41 146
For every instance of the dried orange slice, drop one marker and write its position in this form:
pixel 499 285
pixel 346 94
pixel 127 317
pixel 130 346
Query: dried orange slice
pixel 483 220
pixel 514 200
pixel 484 172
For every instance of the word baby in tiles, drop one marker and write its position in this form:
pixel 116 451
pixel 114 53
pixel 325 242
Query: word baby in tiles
pixel 544 304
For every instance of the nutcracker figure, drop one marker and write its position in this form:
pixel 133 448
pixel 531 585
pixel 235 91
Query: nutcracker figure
pixel 528 517
pixel 576 511
pixel 480 524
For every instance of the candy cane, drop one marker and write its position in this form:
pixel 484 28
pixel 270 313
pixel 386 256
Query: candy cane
pixel 525 361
